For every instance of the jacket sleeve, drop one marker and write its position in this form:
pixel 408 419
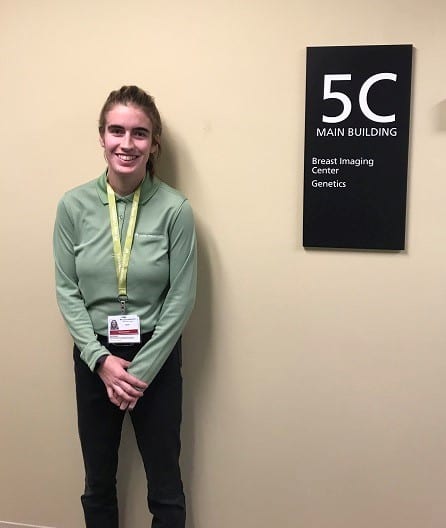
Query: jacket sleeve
pixel 179 300
pixel 69 297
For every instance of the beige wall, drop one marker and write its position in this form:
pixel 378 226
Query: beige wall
pixel 315 393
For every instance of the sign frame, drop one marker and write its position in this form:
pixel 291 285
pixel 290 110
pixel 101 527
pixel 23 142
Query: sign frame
pixel 357 122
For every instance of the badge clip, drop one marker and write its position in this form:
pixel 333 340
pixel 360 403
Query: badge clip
pixel 122 301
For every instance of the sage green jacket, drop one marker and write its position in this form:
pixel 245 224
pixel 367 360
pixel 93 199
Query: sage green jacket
pixel 161 278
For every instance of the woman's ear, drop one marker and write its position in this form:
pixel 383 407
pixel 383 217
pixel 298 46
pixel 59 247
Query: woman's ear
pixel 101 142
pixel 154 147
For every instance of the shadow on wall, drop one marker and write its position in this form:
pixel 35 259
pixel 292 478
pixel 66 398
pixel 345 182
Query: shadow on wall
pixel 196 350
pixel 440 116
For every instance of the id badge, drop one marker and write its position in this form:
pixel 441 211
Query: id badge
pixel 124 329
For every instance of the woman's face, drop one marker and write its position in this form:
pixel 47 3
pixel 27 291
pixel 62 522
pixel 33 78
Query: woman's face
pixel 127 141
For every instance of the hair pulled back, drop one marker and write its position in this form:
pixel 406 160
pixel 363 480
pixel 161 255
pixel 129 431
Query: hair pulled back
pixel 132 95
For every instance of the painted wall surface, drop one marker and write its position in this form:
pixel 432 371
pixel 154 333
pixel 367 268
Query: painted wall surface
pixel 314 380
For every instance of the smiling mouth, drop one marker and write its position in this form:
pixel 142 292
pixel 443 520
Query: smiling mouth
pixel 126 157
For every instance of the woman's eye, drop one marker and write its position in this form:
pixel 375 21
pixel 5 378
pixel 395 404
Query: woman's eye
pixel 116 131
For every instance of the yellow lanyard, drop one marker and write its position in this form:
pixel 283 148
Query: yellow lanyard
pixel 122 257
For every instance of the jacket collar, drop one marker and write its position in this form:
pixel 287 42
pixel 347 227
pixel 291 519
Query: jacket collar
pixel 149 187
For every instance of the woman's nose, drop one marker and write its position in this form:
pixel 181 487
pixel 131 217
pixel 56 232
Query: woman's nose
pixel 127 141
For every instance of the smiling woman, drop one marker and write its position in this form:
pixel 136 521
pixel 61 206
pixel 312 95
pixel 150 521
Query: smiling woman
pixel 127 142
pixel 124 247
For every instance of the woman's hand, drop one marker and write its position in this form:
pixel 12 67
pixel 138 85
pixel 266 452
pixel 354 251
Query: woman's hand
pixel 123 389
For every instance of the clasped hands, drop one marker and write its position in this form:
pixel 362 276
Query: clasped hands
pixel 123 389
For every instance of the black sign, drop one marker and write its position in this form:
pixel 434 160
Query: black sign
pixel 356 146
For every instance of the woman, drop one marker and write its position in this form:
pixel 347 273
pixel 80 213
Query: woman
pixel 124 247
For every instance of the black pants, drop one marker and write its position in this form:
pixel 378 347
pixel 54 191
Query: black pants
pixel 156 421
